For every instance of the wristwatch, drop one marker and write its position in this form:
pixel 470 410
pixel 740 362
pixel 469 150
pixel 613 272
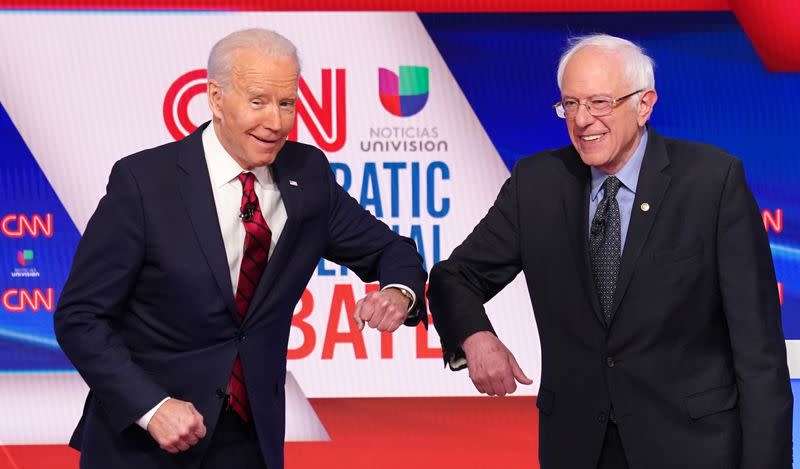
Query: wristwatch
pixel 407 293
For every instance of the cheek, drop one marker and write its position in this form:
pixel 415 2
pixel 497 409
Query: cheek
pixel 234 119
pixel 288 121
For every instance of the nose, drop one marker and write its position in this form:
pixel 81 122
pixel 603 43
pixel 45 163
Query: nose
pixel 271 118
pixel 582 117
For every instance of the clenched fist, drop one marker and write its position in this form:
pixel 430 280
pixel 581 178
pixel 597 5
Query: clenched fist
pixel 384 310
pixel 176 426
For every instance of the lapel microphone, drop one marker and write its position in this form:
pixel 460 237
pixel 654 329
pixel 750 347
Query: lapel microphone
pixel 247 211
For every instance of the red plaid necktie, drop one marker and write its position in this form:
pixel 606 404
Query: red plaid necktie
pixel 254 260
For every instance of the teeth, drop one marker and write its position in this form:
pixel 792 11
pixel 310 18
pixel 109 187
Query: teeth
pixel 590 138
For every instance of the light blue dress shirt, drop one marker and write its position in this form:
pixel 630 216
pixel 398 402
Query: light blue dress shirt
pixel 629 176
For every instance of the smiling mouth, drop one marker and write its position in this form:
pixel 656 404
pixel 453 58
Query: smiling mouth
pixel 263 140
pixel 592 138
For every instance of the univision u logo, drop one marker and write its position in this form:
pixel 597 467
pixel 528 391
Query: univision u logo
pixel 406 94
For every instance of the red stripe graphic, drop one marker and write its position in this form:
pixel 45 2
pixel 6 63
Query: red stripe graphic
pixel 773 27
pixel 389 433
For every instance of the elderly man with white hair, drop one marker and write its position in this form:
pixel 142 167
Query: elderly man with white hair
pixel 179 303
pixel 652 283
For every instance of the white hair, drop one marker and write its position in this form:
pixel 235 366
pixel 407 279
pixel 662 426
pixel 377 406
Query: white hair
pixel 269 43
pixel 638 65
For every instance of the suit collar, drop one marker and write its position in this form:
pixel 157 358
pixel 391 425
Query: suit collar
pixel 287 174
pixel 576 208
pixel 654 180
pixel 194 185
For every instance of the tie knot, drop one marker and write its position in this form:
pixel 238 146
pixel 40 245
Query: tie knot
pixel 247 180
pixel 611 186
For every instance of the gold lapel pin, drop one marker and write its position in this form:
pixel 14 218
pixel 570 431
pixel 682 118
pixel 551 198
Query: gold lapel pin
pixel 645 206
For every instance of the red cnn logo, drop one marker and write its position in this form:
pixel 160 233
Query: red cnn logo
pixel 773 220
pixel 16 226
pixel 18 300
pixel 325 118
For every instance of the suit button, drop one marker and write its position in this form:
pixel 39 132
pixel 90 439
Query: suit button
pixel 241 337
pixel 602 417
pixel 220 393
pixel 610 362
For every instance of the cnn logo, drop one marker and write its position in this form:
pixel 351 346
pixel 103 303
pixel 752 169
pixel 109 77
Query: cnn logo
pixel 18 225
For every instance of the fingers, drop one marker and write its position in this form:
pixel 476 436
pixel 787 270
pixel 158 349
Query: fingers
pixel 359 314
pixel 493 386
pixel 198 430
pixel 478 385
pixel 182 446
pixel 508 385
pixel 381 311
pixel 496 373
pixel 519 375
pixel 389 315
pixel 177 426
pixel 379 307
pixel 501 382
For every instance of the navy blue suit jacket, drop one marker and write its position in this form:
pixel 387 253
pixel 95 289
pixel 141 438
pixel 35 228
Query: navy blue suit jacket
pixel 148 309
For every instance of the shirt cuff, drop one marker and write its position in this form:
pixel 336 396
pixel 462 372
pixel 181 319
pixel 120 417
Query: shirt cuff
pixel 407 290
pixel 144 421
pixel 457 363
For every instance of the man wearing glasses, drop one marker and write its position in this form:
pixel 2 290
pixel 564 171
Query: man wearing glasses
pixel 652 281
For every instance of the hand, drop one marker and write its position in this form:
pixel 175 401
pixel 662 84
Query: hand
pixel 384 310
pixel 176 426
pixel 492 367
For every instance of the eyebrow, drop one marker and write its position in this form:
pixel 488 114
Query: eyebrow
pixel 599 95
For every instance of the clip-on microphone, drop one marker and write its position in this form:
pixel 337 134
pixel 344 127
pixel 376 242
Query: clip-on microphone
pixel 247 211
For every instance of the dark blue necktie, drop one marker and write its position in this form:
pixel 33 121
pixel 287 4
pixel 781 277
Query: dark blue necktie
pixel 604 245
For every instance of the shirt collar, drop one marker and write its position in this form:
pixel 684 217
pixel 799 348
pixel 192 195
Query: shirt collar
pixel 628 174
pixel 222 168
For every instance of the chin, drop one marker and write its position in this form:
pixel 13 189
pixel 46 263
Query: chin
pixel 265 160
pixel 594 160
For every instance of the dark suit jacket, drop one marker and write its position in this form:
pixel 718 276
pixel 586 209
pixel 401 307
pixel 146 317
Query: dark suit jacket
pixel 148 308
pixel 694 362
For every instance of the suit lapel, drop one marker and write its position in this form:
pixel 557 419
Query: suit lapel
pixel 652 185
pixel 194 186
pixel 576 209
pixel 290 185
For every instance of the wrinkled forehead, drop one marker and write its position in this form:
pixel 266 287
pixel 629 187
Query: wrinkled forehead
pixel 252 69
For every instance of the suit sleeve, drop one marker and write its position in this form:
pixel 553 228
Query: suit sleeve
pixel 487 261
pixel 752 308
pixel 104 272
pixel 369 248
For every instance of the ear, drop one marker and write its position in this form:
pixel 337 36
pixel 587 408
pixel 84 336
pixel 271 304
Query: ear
pixel 645 106
pixel 214 92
